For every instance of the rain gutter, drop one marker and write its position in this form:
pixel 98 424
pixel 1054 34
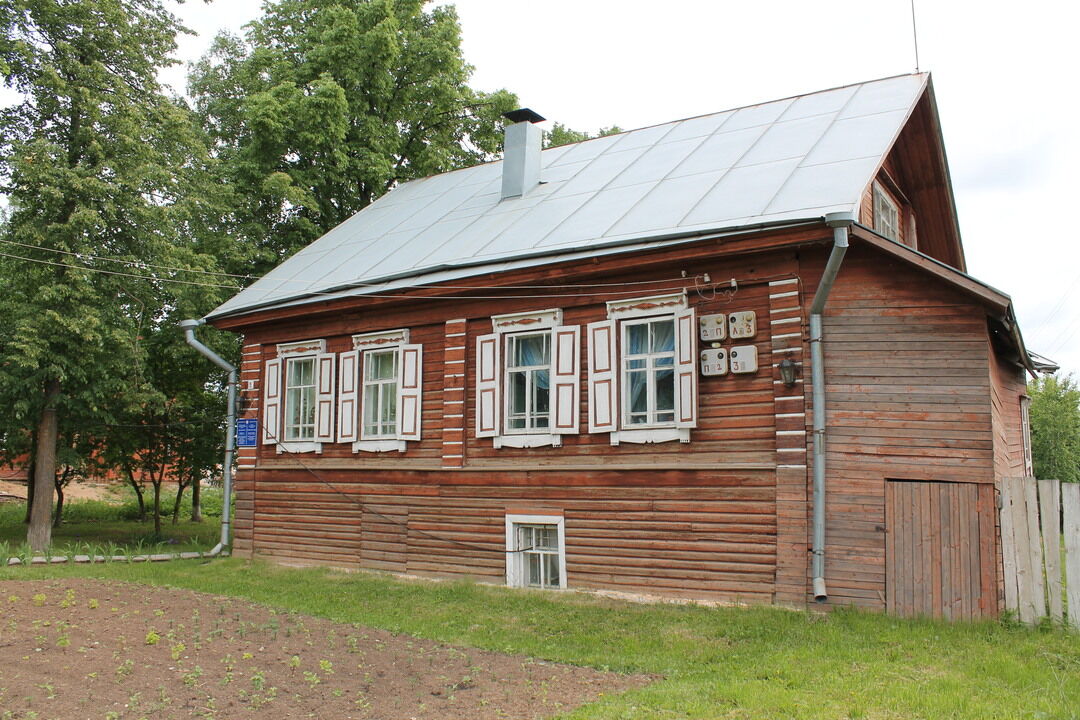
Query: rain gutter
pixel 188 327
pixel 839 222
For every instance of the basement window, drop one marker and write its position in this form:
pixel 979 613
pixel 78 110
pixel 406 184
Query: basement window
pixel 535 551
pixel 886 214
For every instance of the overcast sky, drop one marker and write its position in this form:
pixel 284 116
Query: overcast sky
pixel 1003 75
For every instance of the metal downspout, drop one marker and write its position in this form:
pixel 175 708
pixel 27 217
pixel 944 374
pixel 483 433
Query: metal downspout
pixel 839 222
pixel 230 437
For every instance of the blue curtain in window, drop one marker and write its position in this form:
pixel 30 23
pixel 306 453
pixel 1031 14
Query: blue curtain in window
pixel 533 351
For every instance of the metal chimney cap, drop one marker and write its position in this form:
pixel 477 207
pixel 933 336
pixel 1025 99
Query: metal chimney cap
pixel 524 115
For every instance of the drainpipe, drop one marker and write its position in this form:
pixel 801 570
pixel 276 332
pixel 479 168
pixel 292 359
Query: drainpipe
pixel 230 431
pixel 839 222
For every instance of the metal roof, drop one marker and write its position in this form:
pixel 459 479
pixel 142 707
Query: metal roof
pixel 784 161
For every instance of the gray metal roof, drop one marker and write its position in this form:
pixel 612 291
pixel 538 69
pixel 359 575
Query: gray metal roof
pixel 783 161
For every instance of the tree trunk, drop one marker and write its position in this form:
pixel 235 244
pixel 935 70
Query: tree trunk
pixel 39 535
pixel 157 501
pixel 58 516
pixel 138 492
pixel 196 499
pixel 30 484
pixel 176 503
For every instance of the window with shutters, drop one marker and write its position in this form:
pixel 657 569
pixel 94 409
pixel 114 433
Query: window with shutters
pixel 380 393
pixel 1025 435
pixel 298 400
pixel 379 398
pixel 535 551
pixel 642 371
pixel 527 380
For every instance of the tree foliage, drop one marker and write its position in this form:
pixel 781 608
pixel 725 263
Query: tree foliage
pixel 325 105
pixel 559 134
pixel 106 178
pixel 1055 427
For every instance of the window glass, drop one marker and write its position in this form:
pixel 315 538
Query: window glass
pixel 649 372
pixel 539 551
pixel 380 393
pixel 886 215
pixel 528 381
pixel 300 399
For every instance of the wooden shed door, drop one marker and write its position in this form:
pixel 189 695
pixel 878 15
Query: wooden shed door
pixel 939 549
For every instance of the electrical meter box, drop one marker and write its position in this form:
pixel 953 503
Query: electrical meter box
pixel 742 324
pixel 714 361
pixel 713 327
pixel 743 359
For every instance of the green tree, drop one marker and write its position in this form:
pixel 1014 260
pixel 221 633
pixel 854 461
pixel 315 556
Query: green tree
pixel 100 169
pixel 325 105
pixel 1055 427
pixel 559 134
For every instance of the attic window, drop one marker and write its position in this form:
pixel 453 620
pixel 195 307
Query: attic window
pixel 886 214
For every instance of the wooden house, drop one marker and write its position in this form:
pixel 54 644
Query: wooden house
pixel 591 367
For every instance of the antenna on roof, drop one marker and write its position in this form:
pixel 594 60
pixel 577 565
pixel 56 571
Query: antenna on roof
pixel 915 35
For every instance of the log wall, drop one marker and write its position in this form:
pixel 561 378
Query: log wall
pixel 909 373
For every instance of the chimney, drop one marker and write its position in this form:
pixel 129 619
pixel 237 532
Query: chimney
pixel 521 153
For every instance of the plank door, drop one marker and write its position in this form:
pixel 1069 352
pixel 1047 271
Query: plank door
pixel 939 549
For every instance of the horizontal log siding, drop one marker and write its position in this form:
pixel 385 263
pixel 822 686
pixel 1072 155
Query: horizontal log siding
pixel 907 377
pixel 695 534
pixel 1007 385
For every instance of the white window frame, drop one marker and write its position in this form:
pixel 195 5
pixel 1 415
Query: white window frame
pixel 650 369
pixel 289 430
pixel 377 342
pixel 644 310
pixel 508 340
pixel 515 560
pixel 1025 435
pixel 883 225
pixel 380 383
pixel 525 323
pixel 289 353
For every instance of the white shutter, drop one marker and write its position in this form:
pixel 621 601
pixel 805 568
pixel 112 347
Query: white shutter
pixel 324 397
pixel 271 401
pixel 487 385
pixel 566 379
pixel 410 379
pixel 603 374
pixel 348 395
pixel 685 369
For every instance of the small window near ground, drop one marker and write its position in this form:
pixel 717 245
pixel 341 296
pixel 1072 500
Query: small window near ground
pixel 535 554
pixel 300 399
pixel 886 214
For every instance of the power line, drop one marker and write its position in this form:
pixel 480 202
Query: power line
pixel 365 508
pixel 137 263
pixel 338 293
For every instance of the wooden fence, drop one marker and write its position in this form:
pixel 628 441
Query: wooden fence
pixel 1040 538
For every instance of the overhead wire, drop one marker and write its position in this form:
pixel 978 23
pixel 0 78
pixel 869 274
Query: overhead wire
pixel 365 507
pixel 137 263
pixel 684 282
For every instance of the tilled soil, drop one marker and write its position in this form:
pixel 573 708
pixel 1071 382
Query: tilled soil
pixel 83 648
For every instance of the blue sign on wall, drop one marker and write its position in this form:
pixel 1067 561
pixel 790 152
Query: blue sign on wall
pixel 247 431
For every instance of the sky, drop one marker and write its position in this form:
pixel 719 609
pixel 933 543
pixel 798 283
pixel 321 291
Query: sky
pixel 1002 74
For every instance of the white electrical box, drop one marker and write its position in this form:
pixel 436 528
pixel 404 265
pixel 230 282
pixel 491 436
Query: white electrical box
pixel 713 327
pixel 743 359
pixel 714 362
pixel 742 324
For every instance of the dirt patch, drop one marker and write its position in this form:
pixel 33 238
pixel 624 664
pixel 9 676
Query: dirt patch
pixel 16 491
pixel 84 648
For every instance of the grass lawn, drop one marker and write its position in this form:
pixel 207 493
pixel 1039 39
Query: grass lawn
pixel 716 662
pixel 112 527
